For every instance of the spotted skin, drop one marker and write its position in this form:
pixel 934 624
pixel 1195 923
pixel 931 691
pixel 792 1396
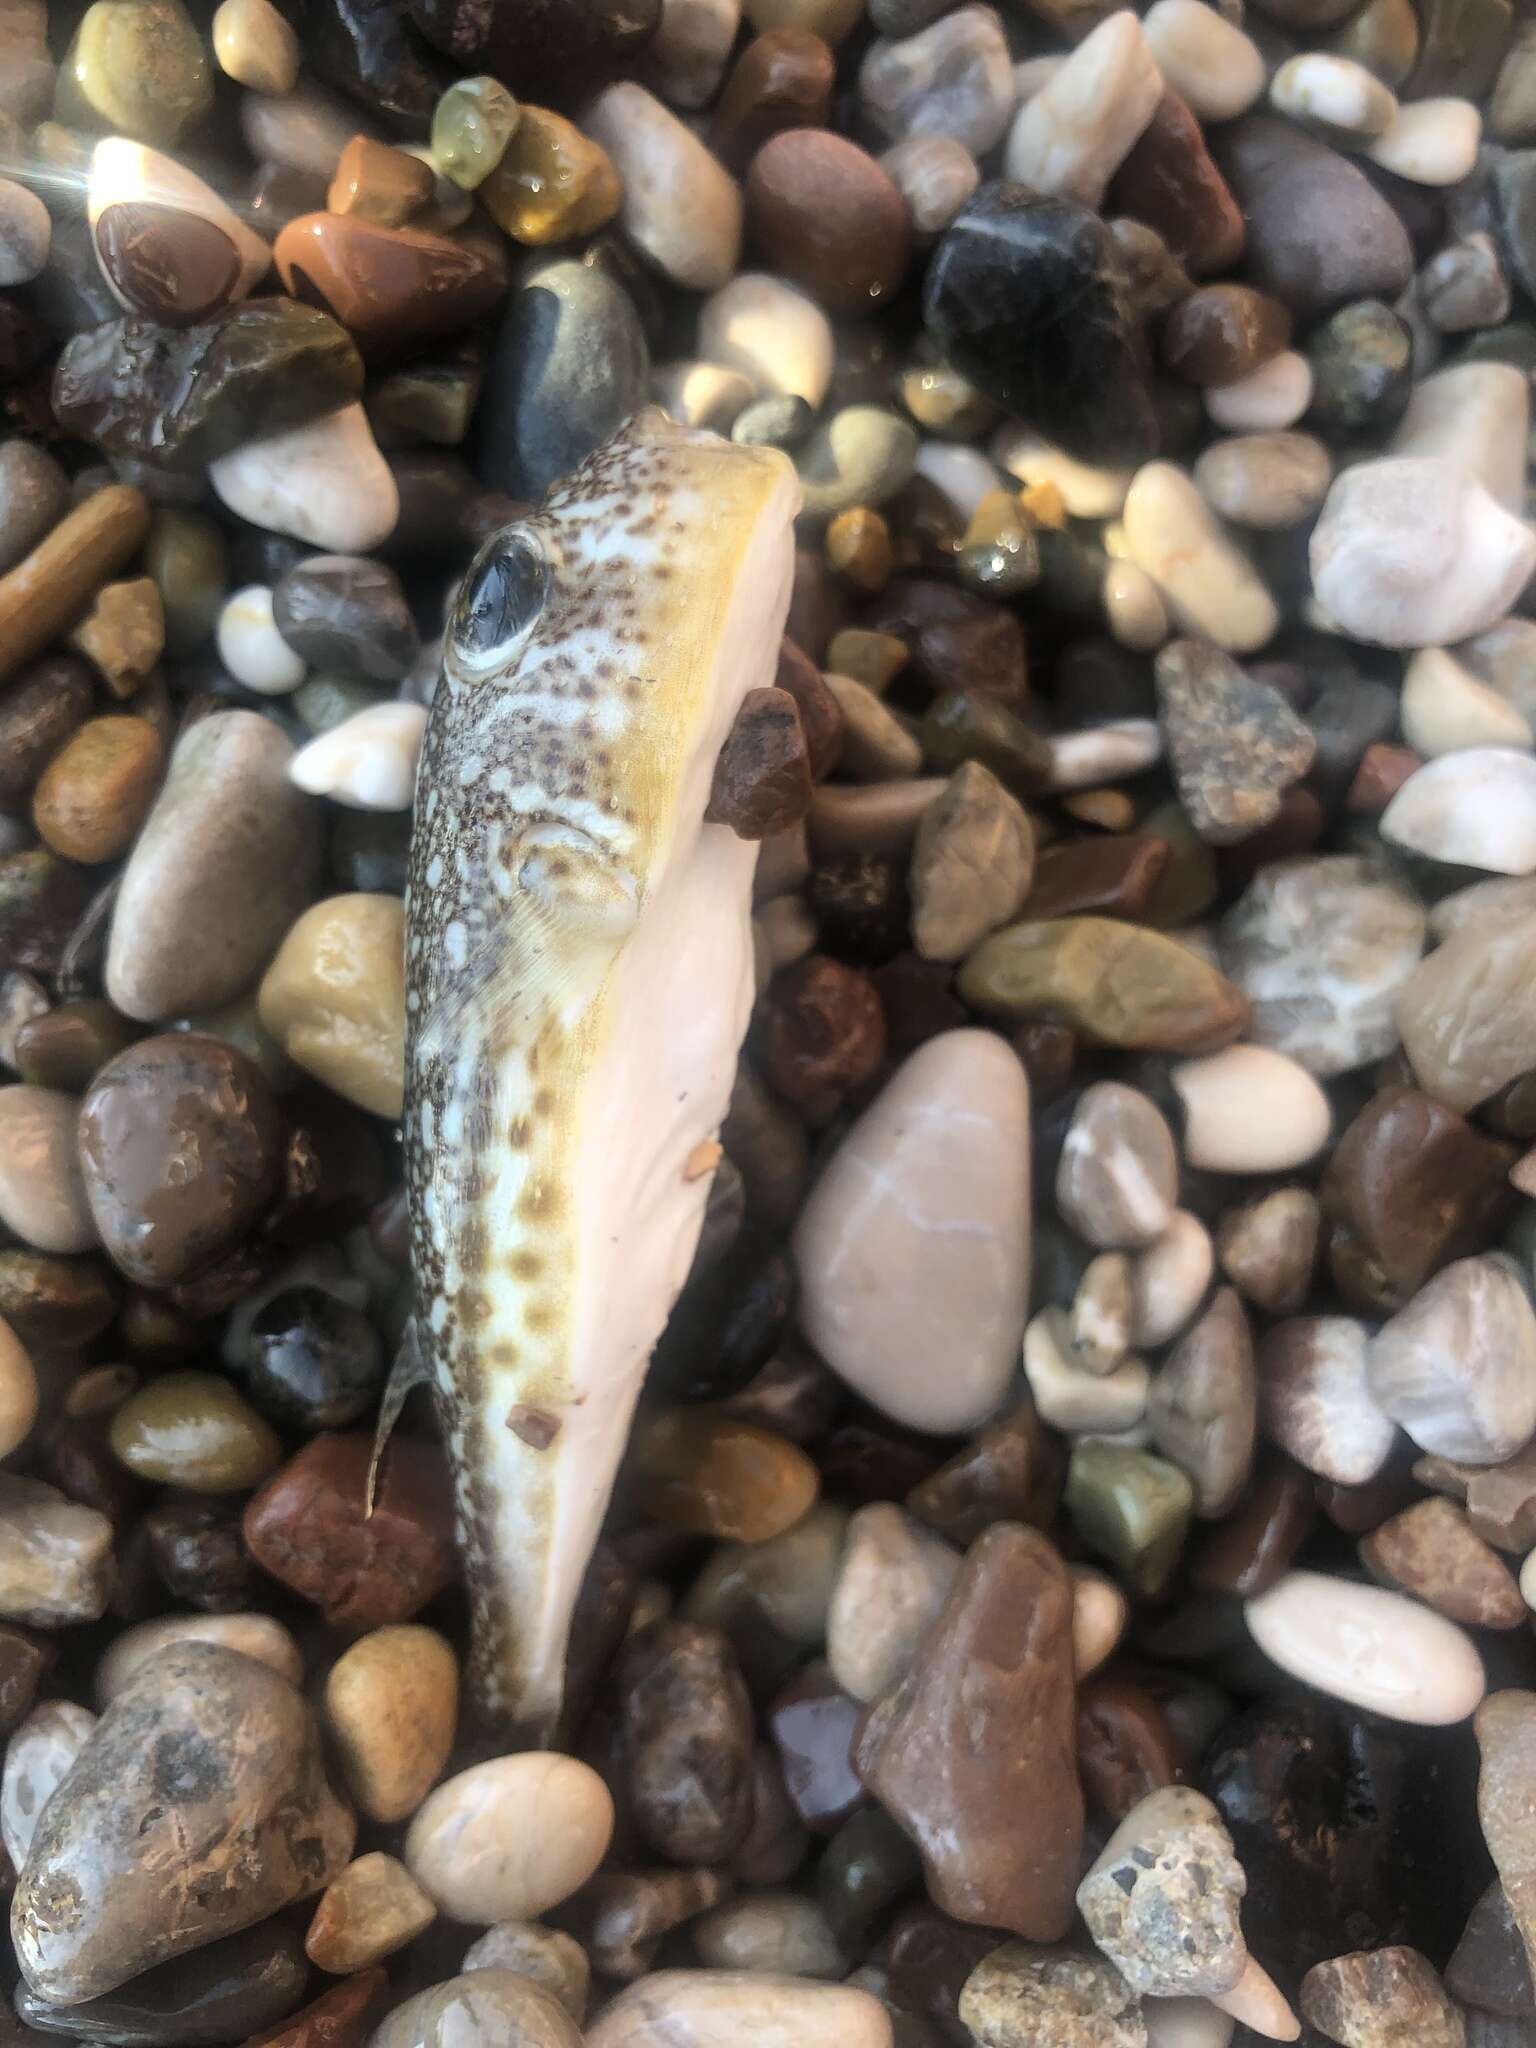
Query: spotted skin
pixel 578 957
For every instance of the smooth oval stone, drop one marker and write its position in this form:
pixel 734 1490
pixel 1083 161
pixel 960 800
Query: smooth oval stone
pixel 1370 1647
pixel 393 289
pixel 368 761
pixel 1474 416
pixel 391 1707
pixel 255 46
pixel 1466 1013
pixel 687 1734
pixel 191 1429
pixel 325 483
pixel 1207 59
pixel 748 2008
pixel 1457 1367
pixel 1476 808
pixel 508 1839
pixel 1072 136
pixel 1362 367
pixel 1024 297
pixel 892 1582
pixel 34 496
pixel 1250 1109
pixel 42 1196
pixel 681 207
pixel 206 1762
pixel 168 265
pixel 1316 1400
pixel 568 366
pixel 334 998
pixel 827 216
pixel 139 69
pixel 258 1636
pixel 908 1242
pixel 347 615
pixel 1211 589
pixel 483 2005
pixel 181 1146
pixel 216 1994
pixel 771 332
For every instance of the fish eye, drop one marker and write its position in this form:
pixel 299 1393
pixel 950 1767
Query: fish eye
pixel 503 594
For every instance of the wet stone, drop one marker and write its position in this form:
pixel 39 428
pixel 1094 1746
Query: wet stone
pixel 340 2018
pixel 782 79
pixel 195 1549
pixel 92 797
pixel 1117 1182
pixel 1430 1550
pixel 625 1918
pixel 1203 1406
pixel 191 1429
pixel 348 616
pixel 1022 1996
pixel 56 1562
pixel 1453 1367
pixel 1489 1967
pixel 688 1741
pixel 828 218
pixel 552 1959
pixel 390 1706
pixel 139 69
pixel 1125 1748
pixel 1256 1544
pixel 245 1782
pixel 695 2008
pixel 762 778
pixel 218 1992
pixel 493 2004
pixel 1002 1651
pixel 1010 1472
pixel 1130 1507
pixel 1314 1398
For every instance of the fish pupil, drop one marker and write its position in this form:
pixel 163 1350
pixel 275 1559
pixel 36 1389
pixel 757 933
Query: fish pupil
pixel 504 596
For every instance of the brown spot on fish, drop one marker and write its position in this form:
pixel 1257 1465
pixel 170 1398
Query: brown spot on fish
pixel 525 1265
pixel 536 1426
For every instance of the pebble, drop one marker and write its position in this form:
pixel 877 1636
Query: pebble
pixel 1105 753
pixel 552 1959
pixel 1099 1322
pixel 34 496
pixel 1203 1408
pixel 777 1931
pixel 255 46
pixel 782 1587
pixel 1072 1397
pixel 1256 2003
pixel 1207 59
pixel 1430 142
pixel 1186 2022
pixel 1250 1109
pixel 1411 552
pixel 325 483
pixel 510 1838
pixel 1370 1647
pixel 262 1805
pixel 1057 1998
pixel 56 1562
pixel 42 1196
pixel 1221 333
pixel 1490 1960
pixel 771 331
pixel 1117 984
pixel 1334 94
pixel 258 1636
pixel 25 233
pixel 369 1910
pixel 1446 710
pixel 1467 416
pixel 1168 1280
pixel 972 864
pixel 1268 399
pixel 169 1100
pixel 1464 287
pixel 484 2005
pixel 1315 1399
pixel 92 796
pixel 892 1582
pixel 1456 1368
pixel 1464 1013
pixel 391 1707
pixel 687 1739
pixel 750 2009
pixel 1071 137
pixel 368 762
pixel 1505 1795
pixel 39 1756
pixel 714 1474
pixel 1234 743
pixel 252 649
pixel 697 243
pixel 1118 1177
pixel 829 219
pixel 1322 948
pixel 191 1429
pixel 935 176
pixel 1025 297
pixel 141 71
pixel 1431 1551
pixel 1376 1998
pixel 861 456
pixel 1211 590
pixel 893 1243
pixel 1431 813
pixel 1161 1899
pixel 998 1824
pixel 334 998
pixel 1129 1507
pixel 953 79
pixel 782 79
pixel 1267 481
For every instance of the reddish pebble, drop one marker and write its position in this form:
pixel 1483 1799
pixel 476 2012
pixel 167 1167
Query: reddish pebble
pixel 762 779
pixel 1113 876
pixel 172 266
pixel 1254 1546
pixel 781 80
pixel 1382 772
pixel 393 289
pixel 1224 332
pixel 824 214
pixel 823 1034
pixel 343 2018
pixel 308 1527
pixel 1125 1748
pixel 1170 182
pixel 821 716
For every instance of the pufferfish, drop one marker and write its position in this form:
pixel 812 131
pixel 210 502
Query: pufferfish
pixel 579 975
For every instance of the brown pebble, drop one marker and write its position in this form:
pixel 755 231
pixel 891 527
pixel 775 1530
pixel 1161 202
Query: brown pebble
pixel 1269 1248
pixel 715 1475
pixel 997 1816
pixel 824 214
pixel 1113 877
pixel 1382 772
pixel 958 641
pixel 393 289
pixel 622 1919
pixel 928 1957
pixel 309 1527
pixel 123 633
pixel 94 794
pixel 552 184
pixel 687 1741
pixel 343 2018
pixel 1500 1499
pixel 762 779
pixel 378 184
pixel 49 587
pixel 858 544
pixel 1223 332
pixel 1381 1998
pixel 1125 1748
pixel 1254 1546
pixel 23 1660
pixel 172 266
pixel 1431 1551
pixel 821 1034
pixel 38 712
pixel 366 1912
pixel 1048 1051
pixel 813 1723
pixel 1012 1472
pixel 1169 182
pixel 821 716
pixel 781 80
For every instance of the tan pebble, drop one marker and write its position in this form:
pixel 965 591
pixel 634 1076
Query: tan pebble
pixel 551 1958
pixel 47 589
pixel 392 1706
pixel 42 1191
pixel 552 184
pixel 123 633
pixel 192 1429
pixel 373 1908
pixel 18 1391
pixel 257 1636
pixel 256 47
pixel 719 1476
pixel 1099 1614
pixel 745 2008
pixel 1255 2001
pixel 93 795
pixel 508 1839
pixel 334 998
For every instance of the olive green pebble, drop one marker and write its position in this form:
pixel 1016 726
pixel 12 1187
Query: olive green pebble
pixel 191 1429
pixel 967 725
pixel 432 400
pixel 1384 37
pixel 188 557
pixel 1130 1507
pixel 471 126
pixel 137 67
pixel 1190 883
pixel 324 701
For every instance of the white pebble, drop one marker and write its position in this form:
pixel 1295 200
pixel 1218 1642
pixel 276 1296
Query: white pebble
pixel 1476 416
pixel 325 483
pixel 1087 492
pixel 685 59
pixel 1169 1279
pixel 1250 1110
pixel 1476 808
pixel 773 333
pixel 39 1756
pixel 1375 1649
pixel 1432 142
pixel 251 647
pixel 1445 709
pixel 682 208
pixel 368 762
pixel 1071 1399
pixel 1099 1614
pixel 1208 61
pixel 1211 588
pixel 1075 133
pixel 1335 92
pixel 1411 552
pixel 962 473
pixel 1273 396
pixel 1104 753
pixel 1133 607
pixel 509 1839
pixel 1185 2022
